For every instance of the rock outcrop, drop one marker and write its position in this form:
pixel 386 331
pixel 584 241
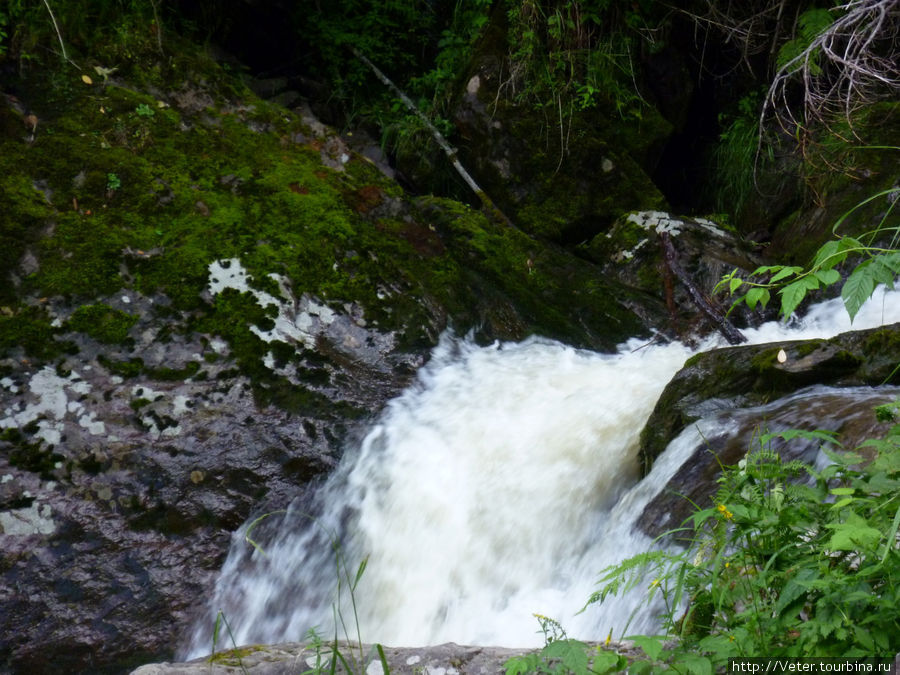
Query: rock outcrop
pixel 761 389
pixel 204 298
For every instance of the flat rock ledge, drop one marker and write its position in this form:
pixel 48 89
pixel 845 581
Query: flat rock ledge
pixel 292 658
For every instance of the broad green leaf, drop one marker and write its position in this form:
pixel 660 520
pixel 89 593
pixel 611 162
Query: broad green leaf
pixel 734 284
pixel 853 534
pixel 892 536
pixel 784 273
pixel 757 295
pixel 795 587
pixel 829 255
pixel 858 288
pixel 572 653
pixel 694 663
pixel 791 296
pixel 891 261
pixel 828 277
pixel 811 281
pixel 843 491
pixel 652 646
pixel 850 244
pixel 604 661
pixel 864 637
pixel 881 273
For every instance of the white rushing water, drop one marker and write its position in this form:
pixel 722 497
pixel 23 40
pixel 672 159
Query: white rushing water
pixel 496 487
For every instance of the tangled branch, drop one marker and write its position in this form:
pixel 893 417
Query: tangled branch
pixel 852 63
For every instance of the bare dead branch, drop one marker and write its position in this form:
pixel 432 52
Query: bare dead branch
pixel 852 63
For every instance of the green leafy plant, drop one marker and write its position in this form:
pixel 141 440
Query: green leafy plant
pixel 574 55
pixel 562 654
pixel 810 25
pixel 144 110
pixel 113 182
pixel 786 561
pixel 875 257
pixel 739 158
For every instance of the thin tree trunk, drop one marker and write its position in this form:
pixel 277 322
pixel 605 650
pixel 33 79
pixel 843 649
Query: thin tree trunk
pixel 448 149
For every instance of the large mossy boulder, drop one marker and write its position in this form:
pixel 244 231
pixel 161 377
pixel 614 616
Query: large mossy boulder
pixel 673 258
pixel 204 298
pixel 739 377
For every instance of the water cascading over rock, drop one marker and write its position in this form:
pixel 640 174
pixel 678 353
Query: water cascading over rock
pixel 497 486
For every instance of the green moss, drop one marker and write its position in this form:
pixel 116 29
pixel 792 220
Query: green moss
pixel 30 328
pixel 138 403
pixel 102 322
pixel 882 341
pixel 130 368
pixel 233 657
pixel 765 360
pixel 693 361
pixel 172 374
pixel 24 212
pixel 230 182
pixel 807 348
pixel 34 457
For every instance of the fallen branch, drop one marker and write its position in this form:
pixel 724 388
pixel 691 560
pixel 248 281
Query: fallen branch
pixel 448 149
pixel 730 333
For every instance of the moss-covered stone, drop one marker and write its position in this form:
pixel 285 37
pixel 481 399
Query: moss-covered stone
pixel 752 375
pixel 234 657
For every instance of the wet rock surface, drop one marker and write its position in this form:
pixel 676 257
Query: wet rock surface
pixel 738 377
pixel 446 659
pixel 832 385
pixel 632 252
pixel 118 494
pixel 847 411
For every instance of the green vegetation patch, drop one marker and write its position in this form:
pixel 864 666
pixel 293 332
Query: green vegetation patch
pixel 102 322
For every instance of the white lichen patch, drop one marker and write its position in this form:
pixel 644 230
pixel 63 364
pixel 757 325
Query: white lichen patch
pixel 180 405
pixel 9 385
pixel 298 321
pixel 35 519
pixel 220 347
pixel 93 425
pixel 46 400
pixel 657 220
pixel 160 416
pixel 711 227
pixel 228 274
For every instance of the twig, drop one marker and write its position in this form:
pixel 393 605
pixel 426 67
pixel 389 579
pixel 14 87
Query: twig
pixel 158 25
pixel 62 45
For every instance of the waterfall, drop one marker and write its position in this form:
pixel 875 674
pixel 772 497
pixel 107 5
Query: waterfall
pixel 497 486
